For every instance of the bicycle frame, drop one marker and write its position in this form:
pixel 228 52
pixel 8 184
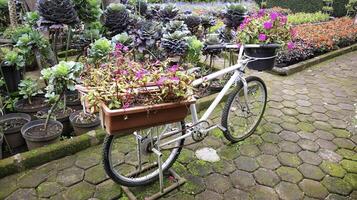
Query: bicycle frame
pixel 238 70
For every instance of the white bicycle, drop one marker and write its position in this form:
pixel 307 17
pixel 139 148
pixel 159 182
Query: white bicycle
pixel 132 160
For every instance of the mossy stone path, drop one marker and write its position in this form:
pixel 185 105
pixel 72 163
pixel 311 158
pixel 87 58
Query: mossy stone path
pixel 305 148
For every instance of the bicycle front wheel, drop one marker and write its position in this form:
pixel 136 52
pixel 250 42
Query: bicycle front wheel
pixel 130 160
pixel 241 118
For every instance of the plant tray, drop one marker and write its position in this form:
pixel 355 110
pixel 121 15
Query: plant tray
pixel 125 121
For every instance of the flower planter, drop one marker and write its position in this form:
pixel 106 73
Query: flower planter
pixel 36 136
pixel 124 121
pixel 38 103
pixel 12 124
pixel 12 77
pixel 266 54
pixel 80 127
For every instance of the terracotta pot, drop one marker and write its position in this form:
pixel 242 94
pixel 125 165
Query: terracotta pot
pixel 40 138
pixel 125 121
pixel 13 136
pixel 81 128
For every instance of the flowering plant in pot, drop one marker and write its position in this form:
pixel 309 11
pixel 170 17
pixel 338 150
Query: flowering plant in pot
pixel 60 78
pixel 30 103
pixel 136 94
pixel 268 29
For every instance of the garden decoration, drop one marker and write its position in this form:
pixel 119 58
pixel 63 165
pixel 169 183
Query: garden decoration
pixel 12 70
pixel 270 31
pixel 60 78
pixel 11 125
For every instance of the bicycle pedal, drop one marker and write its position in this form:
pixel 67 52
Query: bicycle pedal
pixel 221 128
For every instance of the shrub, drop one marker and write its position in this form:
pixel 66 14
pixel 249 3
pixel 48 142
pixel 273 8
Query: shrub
pixel 303 18
pixel 301 51
pixel 329 35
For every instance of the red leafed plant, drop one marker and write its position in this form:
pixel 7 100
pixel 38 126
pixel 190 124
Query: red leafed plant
pixel 329 35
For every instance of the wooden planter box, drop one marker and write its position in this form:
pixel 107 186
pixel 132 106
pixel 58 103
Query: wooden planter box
pixel 125 121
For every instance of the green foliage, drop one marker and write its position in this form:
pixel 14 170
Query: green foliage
pixel 100 49
pixel 15 33
pixel 31 18
pixel 303 18
pixel 14 58
pixel 4 14
pixel 351 7
pixel 123 39
pixel 194 50
pixel 309 5
pixel 61 77
pixel 29 88
pixel 88 10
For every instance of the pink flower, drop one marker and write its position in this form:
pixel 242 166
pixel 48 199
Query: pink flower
pixel 293 33
pixel 161 81
pixel 140 74
pixel 283 20
pixel 268 25
pixel 261 12
pixel 262 37
pixel 174 68
pixel 126 105
pixel 274 16
pixel 291 45
pixel 175 79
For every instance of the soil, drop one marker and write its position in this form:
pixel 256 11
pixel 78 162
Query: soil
pixel 58 113
pixel 82 118
pixel 39 130
pixel 72 98
pixel 37 103
pixel 13 124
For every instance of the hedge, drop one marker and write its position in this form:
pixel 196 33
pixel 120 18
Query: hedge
pixel 308 5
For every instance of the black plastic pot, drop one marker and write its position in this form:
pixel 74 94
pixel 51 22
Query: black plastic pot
pixel 73 98
pixel 13 136
pixel 81 128
pixel 266 55
pixel 12 76
pixel 40 137
pixel 23 107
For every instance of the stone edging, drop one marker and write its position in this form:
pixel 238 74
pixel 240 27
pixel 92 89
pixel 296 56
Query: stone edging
pixel 30 159
pixel 285 71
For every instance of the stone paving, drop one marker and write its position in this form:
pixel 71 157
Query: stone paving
pixel 305 148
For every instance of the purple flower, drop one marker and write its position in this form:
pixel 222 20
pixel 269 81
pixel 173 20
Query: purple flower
pixel 140 74
pixel 293 32
pixel 274 16
pixel 268 25
pixel 124 72
pixel 261 13
pixel 161 81
pixel 291 45
pixel 262 37
pixel 125 49
pixel 119 46
pixel 174 68
pixel 126 105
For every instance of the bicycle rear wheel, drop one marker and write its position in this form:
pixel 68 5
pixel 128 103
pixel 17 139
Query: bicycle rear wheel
pixel 241 118
pixel 124 157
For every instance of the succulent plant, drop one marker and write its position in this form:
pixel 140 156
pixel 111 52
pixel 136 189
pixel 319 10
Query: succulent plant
pixel 226 34
pixel 176 25
pixel 233 15
pixel 147 35
pixel 88 10
pixel 193 22
pixel 59 11
pixel 116 18
pixel 124 39
pixel 168 13
pixel 153 12
pixel 208 21
pixel 175 44
pixel 212 39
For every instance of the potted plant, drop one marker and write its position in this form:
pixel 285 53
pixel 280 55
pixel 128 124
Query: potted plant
pixel 30 103
pixel 11 70
pixel 83 122
pixel 268 29
pixel 11 125
pixel 60 78
pixel 134 95
pixel 233 15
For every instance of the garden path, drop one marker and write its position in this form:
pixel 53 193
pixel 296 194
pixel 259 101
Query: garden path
pixel 304 149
